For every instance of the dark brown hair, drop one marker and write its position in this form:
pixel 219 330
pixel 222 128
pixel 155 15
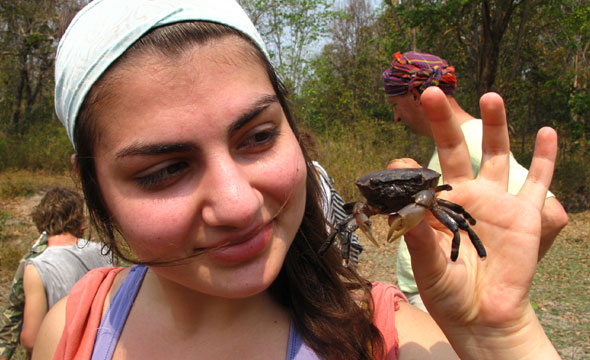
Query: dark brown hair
pixel 331 305
pixel 60 211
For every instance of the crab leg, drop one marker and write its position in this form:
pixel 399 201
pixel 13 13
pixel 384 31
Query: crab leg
pixel 481 251
pixel 443 187
pixel 364 224
pixel 345 243
pixel 340 228
pixel 326 245
pixel 448 221
pixel 457 209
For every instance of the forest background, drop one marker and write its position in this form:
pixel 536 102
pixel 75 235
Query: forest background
pixel 331 53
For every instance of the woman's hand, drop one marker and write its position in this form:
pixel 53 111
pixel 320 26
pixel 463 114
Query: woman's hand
pixel 483 305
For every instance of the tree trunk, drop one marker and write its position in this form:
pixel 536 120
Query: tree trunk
pixel 494 22
pixel 17 105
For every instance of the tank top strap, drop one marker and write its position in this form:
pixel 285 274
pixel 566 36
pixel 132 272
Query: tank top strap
pixel 112 324
pixel 117 313
pixel 297 349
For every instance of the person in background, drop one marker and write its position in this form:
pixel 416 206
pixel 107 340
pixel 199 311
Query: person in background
pixel 405 80
pixel 50 276
pixel 192 168
pixel 332 201
pixel 11 318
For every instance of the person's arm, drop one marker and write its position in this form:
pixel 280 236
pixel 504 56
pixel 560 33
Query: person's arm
pixel 419 336
pixel 11 318
pixel 51 331
pixel 553 219
pixel 35 307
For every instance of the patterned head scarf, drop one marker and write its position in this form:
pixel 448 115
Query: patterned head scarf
pixel 414 71
pixel 103 30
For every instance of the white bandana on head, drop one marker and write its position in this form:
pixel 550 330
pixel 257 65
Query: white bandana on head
pixel 104 29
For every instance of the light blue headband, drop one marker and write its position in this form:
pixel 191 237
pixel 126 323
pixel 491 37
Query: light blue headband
pixel 104 29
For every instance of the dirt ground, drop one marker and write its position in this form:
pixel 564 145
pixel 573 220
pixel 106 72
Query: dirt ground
pixel 560 292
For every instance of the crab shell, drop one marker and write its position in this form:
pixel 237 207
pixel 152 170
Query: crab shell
pixel 391 190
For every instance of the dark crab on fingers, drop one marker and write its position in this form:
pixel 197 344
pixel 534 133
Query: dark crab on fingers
pixel 405 194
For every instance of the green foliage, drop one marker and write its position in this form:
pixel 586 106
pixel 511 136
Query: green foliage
pixel 43 145
pixel 542 71
pixel 28 43
pixel 9 256
pixel 289 29
pixel 19 183
pixel 13 187
pixel 572 176
pixel 4 215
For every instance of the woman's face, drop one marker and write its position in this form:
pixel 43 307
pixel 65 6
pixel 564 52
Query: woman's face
pixel 195 155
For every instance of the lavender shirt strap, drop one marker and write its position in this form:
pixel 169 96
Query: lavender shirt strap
pixel 114 320
pixel 297 349
pixel 118 311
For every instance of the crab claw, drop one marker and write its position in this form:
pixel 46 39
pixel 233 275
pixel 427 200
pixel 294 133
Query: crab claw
pixel 364 224
pixel 327 243
pixel 405 220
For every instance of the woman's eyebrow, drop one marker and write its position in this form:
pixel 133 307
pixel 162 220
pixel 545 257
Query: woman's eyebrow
pixel 256 109
pixel 167 148
pixel 155 149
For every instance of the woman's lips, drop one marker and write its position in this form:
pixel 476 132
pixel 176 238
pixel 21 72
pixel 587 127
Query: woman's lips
pixel 243 250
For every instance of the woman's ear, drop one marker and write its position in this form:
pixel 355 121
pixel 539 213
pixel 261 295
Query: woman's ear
pixel 75 164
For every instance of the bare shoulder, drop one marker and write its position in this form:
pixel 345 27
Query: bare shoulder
pixel 419 335
pixel 50 331
pixel 31 278
pixel 54 323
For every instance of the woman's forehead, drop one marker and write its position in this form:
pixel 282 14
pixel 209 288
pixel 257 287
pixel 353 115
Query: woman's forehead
pixel 209 84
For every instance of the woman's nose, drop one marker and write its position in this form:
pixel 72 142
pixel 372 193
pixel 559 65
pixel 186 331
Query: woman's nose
pixel 229 197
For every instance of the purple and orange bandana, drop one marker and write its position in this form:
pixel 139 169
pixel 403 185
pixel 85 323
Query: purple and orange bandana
pixel 414 71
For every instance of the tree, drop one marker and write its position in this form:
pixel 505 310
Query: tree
pixel 468 32
pixel 290 28
pixel 29 34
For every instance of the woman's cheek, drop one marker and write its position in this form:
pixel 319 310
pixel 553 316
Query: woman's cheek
pixel 288 174
pixel 153 228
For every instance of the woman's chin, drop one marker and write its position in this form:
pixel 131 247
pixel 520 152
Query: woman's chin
pixel 246 280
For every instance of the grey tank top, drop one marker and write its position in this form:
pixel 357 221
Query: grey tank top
pixel 61 266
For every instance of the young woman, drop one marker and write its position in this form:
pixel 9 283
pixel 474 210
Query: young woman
pixel 187 150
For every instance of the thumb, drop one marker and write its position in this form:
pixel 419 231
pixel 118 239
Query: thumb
pixel 429 261
pixel 403 163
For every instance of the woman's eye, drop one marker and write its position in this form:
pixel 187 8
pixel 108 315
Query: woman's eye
pixel 161 177
pixel 260 139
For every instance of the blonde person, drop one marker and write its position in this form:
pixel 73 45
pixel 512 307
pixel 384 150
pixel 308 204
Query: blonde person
pixel 187 150
pixel 50 276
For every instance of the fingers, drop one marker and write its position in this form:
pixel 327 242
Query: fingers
pixel 428 259
pixel 452 150
pixel 403 163
pixel 541 171
pixel 495 142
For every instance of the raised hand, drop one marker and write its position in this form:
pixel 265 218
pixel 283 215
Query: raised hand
pixel 483 304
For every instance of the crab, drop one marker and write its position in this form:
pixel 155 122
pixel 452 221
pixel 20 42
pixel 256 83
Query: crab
pixel 404 194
